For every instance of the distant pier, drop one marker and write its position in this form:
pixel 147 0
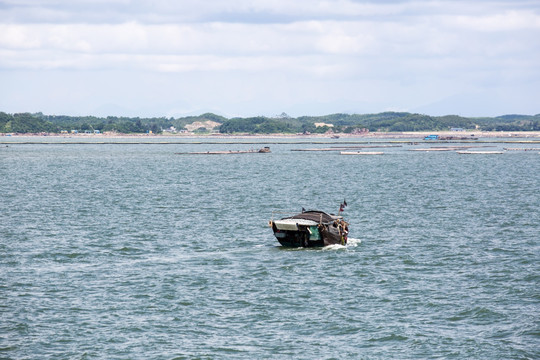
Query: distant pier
pixel 264 150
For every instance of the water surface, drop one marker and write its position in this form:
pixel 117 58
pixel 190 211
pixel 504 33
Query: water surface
pixel 131 251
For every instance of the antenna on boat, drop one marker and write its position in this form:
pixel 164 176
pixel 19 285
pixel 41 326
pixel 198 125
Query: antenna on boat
pixel 342 207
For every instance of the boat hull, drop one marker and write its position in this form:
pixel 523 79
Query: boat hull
pixel 303 230
pixel 296 239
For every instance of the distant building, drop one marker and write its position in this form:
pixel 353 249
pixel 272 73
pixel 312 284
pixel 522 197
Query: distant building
pixel 172 130
pixel 358 131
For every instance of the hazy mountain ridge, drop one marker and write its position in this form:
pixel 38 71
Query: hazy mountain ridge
pixel 384 121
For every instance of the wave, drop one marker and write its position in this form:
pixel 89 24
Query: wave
pixel 351 242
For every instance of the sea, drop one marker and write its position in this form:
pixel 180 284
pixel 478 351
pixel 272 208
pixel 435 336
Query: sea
pixel 131 249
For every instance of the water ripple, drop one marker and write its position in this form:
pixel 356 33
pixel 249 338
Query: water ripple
pixel 134 252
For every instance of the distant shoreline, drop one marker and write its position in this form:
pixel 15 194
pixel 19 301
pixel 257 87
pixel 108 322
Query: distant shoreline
pixel 372 135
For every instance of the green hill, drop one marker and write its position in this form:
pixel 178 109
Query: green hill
pixel 385 121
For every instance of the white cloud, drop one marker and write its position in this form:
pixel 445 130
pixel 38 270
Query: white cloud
pixel 512 20
pixel 163 11
pixel 317 38
pixel 394 52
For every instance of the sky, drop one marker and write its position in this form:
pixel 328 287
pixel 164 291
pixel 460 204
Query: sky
pixel 176 58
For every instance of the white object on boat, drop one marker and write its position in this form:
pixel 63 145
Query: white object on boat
pixel 292 224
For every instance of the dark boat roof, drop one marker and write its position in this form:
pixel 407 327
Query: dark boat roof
pixel 316 216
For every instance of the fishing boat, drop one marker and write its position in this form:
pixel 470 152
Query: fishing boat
pixel 311 228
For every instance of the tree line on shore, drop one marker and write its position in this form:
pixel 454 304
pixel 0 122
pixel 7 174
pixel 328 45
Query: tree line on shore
pixel 338 123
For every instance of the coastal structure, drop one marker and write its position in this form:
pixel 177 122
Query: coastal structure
pixel 263 150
